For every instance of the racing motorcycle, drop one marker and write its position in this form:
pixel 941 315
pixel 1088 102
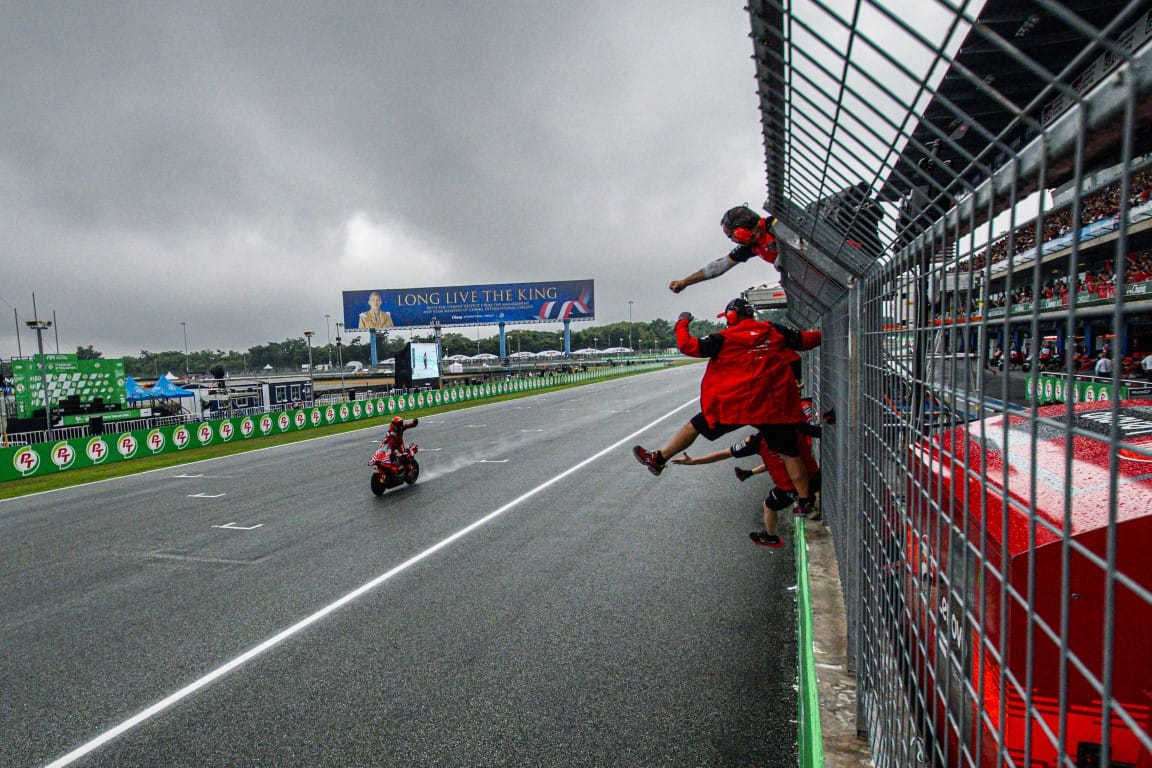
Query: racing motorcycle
pixel 394 463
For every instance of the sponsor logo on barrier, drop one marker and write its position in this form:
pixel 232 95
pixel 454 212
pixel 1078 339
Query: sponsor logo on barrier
pixel 401 403
pixel 247 427
pixel 155 441
pixel 369 408
pixel 316 417
pixel 126 445
pixel 284 422
pixel 204 434
pixel 420 400
pixel 181 437
pixel 226 430
pixel 344 413
pixel 96 450
pixel 63 455
pixel 25 461
pixel 265 424
pixel 301 419
pixel 356 412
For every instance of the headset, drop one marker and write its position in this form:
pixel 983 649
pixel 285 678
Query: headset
pixel 742 225
pixel 736 309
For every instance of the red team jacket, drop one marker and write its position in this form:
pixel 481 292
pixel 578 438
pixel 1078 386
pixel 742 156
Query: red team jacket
pixel 749 378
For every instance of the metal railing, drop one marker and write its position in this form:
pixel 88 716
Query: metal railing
pixel 949 180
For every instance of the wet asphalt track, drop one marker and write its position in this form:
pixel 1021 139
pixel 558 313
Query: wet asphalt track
pixel 600 618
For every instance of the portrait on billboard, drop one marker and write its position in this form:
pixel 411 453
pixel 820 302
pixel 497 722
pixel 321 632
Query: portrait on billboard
pixel 374 318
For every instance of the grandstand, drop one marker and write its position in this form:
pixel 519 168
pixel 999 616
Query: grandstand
pixel 1008 146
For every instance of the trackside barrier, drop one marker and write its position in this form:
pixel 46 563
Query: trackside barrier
pixel 1056 389
pixel 78 453
pixel 811 737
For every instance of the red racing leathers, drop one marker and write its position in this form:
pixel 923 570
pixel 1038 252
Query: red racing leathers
pixel 749 378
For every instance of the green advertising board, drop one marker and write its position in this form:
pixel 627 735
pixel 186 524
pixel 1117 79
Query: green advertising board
pixel 1055 389
pixel 67 377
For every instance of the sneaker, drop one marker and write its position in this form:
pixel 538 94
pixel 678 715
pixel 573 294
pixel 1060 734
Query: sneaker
pixel 651 459
pixel 765 539
pixel 804 507
pixel 743 474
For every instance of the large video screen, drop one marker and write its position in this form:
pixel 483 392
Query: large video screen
pixel 424 360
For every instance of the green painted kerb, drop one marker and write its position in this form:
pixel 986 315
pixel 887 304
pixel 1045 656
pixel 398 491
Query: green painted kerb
pixel 811 749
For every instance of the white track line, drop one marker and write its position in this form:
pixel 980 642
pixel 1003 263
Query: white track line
pixel 275 640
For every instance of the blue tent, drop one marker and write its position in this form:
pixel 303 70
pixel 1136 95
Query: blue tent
pixel 136 393
pixel 165 388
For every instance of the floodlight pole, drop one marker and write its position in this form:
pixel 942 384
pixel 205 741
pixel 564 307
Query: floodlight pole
pixel 328 322
pixel 629 324
pixel 19 346
pixel 340 358
pixel 184 325
pixel 40 326
pixel 311 373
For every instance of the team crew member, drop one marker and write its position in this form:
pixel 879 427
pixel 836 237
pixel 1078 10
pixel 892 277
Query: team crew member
pixel 753 236
pixel 749 381
pixel 783 495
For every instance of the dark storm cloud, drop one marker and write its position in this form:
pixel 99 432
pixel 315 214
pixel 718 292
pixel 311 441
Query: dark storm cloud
pixel 237 165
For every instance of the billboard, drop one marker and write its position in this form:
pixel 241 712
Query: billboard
pixel 386 308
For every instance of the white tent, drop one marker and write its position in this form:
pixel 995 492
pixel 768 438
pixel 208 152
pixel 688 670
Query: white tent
pixel 171 376
pixel 267 366
pixel 484 356
pixel 522 355
pixel 588 351
pixel 549 353
pixel 457 358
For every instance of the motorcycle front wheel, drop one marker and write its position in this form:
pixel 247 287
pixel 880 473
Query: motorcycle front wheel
pixel 413 471
pixel 378 486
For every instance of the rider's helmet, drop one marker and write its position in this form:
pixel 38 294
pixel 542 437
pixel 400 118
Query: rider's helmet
pixel 397 422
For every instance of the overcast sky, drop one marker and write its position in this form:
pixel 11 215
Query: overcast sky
pixel 236 165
